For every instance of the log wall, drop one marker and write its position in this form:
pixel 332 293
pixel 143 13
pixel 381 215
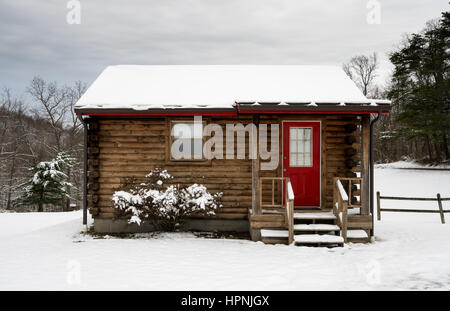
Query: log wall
pixel 124 148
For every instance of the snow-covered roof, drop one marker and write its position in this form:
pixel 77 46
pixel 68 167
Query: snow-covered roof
pixel 218 86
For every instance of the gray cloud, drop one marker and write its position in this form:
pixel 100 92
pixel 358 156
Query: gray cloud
pixel 36 40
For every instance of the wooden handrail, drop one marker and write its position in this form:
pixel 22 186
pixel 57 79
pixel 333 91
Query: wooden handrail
pixel 290 210
pixel 286 204
pixel 272 204
pixel 342 193
pixel 342 200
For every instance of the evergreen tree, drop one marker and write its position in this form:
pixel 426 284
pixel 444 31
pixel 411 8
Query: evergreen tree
pixel 48 184
pixel 420 86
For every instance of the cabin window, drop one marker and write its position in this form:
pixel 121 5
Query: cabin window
pixel 186 143
pixel 300 143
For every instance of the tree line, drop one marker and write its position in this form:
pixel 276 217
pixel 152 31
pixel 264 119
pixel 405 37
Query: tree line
pixel 418 127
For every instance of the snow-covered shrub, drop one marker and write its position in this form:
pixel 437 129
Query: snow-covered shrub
pixel 165 205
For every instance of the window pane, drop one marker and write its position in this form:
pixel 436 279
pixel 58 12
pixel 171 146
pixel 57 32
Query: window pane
pixel 293 159
pixel 293 133
pixel 183 149
pixel 197 146
pixel 293 146
pixel 307 135
pixel 308 159
pixel 301 146
pixel 181 130
pixel 308 146
pixel 300 159
pixel 197 130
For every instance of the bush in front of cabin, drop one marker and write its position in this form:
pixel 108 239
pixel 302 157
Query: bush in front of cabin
pixel 166 205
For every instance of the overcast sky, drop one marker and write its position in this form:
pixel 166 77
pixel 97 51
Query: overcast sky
pixel 35 38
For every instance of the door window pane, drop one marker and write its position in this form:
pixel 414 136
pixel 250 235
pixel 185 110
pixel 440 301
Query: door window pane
pixel 307 159
pixel 300 141
pixel 293 159
pixel 293 146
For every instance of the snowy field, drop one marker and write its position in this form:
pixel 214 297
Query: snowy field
pixel 412 252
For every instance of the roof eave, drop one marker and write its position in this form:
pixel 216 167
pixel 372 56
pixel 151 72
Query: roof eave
pixel 243 107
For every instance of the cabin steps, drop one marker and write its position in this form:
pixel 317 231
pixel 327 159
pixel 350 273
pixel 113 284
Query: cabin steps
pixel 310 229
pixel 315 229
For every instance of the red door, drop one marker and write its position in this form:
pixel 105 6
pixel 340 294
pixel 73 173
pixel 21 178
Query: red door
pixel 301 161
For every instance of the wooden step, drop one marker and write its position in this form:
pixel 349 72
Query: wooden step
pixel 311 216
pixel 273 233
pixel 316 227
pixel 359 221
pixel 318 239
pixel 354 210
pixel 357 236
pixel 274 211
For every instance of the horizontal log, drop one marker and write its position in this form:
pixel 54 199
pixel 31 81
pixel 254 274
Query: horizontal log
pixel 146 133
pixel 135 139
pixel 133 151
pixel 114 156
pixel 156 121
pixel 93 150
pixel 259 225
pixel 133 127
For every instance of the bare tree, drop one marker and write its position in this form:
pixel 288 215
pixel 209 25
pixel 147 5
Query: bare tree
pixel 73 123
pixel 362 70
pixel 52 101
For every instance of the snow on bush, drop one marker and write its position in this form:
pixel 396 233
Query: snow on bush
pixel 48 183
pixel 165 206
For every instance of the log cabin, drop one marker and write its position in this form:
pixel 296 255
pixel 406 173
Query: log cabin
pixel 319 192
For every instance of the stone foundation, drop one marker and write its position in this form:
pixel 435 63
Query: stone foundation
pixel 218 225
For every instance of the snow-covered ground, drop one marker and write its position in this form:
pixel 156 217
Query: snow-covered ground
pixel 412 251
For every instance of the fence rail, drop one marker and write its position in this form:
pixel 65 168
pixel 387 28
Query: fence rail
pixel 438 198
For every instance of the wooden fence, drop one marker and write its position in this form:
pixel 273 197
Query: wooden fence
pixel 438 198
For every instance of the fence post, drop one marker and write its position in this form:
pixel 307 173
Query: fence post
pixel 441 211
pixel 378 206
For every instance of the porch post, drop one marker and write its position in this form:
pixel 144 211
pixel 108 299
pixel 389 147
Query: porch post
pixel 256 208
pixel 365 164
